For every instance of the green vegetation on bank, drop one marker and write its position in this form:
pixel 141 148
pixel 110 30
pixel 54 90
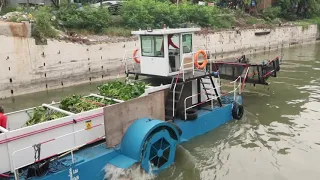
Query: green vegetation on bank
pixel 136 14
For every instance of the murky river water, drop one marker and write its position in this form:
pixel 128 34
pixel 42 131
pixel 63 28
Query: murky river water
pixel 278 138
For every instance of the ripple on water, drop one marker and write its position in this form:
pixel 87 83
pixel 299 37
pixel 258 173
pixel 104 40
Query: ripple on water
pixel 133 173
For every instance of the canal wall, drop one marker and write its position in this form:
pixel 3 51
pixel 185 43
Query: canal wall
pixel 27 67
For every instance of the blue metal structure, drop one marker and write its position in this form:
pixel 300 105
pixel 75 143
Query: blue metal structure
pixel 150 142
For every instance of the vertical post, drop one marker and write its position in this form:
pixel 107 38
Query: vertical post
pixel 182 67
pixel 234 90
pixel 240 86
pixel 173 95
pixel 198 92
pixel 125 61
pixel 16 177
pixel 192 57
pixel 185 108
pixel 72 156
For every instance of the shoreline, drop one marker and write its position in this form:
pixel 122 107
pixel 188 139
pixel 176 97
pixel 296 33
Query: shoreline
pixel 31 68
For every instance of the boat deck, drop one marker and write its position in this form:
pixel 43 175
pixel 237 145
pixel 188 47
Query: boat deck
pixel 94 156
pixel 90 161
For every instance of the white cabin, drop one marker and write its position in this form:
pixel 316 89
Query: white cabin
pixel 161 50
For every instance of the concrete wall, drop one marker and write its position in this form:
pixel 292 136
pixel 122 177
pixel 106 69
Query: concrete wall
pixel 117 120
pixel 27 67
pixel 15 29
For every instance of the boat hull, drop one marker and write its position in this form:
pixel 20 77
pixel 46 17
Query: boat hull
pixel 90 162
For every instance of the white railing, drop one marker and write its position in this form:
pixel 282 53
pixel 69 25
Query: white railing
pixel 182 64
pixel 182 70
pixel 3 130
pixel 107 98
pixel 174 94
pixel 125 58
pixel 244 80
pixel 234 91
pixel 53 139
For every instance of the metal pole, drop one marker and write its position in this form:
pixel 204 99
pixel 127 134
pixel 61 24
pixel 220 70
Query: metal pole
pixel 234 90
pixel 185 110
pixel 103 97
pixel 3 129
pixel 57 109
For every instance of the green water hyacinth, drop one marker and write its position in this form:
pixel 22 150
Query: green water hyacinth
pixel 122 90
pixel 77 103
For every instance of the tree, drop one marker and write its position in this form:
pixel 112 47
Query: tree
pixel 301 8
pixel 2 4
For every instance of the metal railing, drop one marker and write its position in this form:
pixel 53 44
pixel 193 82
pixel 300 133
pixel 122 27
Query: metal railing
pixel 3 130
pixel 245 78
pixel 125 58
pixel 50 140
pixel 182 70
pixel 234 91
pixel 182 64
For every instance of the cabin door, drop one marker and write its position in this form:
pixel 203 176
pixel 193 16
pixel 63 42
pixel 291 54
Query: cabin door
pixel 186 51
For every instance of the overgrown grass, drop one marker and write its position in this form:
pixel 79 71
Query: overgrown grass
pixel 117 31
pixel 252 20
pixel 271 13
pixel 44 23
pixel 134 14
pixel 306 22
pixel 143 14
pixel 8 9
pixel 88 18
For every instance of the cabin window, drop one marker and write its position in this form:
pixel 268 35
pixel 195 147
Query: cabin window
pixel 151 46
pixel 187 43
pixel 176 40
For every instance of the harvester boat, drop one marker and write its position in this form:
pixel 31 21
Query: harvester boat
pixel 146 130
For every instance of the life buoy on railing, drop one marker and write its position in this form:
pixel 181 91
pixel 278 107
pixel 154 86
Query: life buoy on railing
pixel 205 60
pixel 134 56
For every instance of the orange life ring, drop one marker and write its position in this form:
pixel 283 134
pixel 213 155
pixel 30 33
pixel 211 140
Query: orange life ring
pixel 134 56
pixel 205 61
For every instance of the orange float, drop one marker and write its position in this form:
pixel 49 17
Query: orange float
pixel 205 60
pixel 134 56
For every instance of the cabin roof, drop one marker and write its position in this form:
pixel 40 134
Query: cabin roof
pixel 165 31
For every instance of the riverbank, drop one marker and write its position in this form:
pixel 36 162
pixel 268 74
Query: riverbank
pixel 28 68
pixel 86 23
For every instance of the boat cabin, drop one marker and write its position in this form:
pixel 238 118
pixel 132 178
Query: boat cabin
pixel 162 51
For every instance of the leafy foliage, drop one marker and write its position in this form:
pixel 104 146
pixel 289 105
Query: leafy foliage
pixel 44 24
pixel 40 114
pixel 89 18
pixel 271 13
pixel 77 103
pixel 135 14
pixel 297 9
pixel 149 13
pixel 122 90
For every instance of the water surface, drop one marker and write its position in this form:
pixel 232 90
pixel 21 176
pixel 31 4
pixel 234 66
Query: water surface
pixel 278 138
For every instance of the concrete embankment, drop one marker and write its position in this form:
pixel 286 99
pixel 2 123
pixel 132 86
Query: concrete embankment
pixel 26 67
